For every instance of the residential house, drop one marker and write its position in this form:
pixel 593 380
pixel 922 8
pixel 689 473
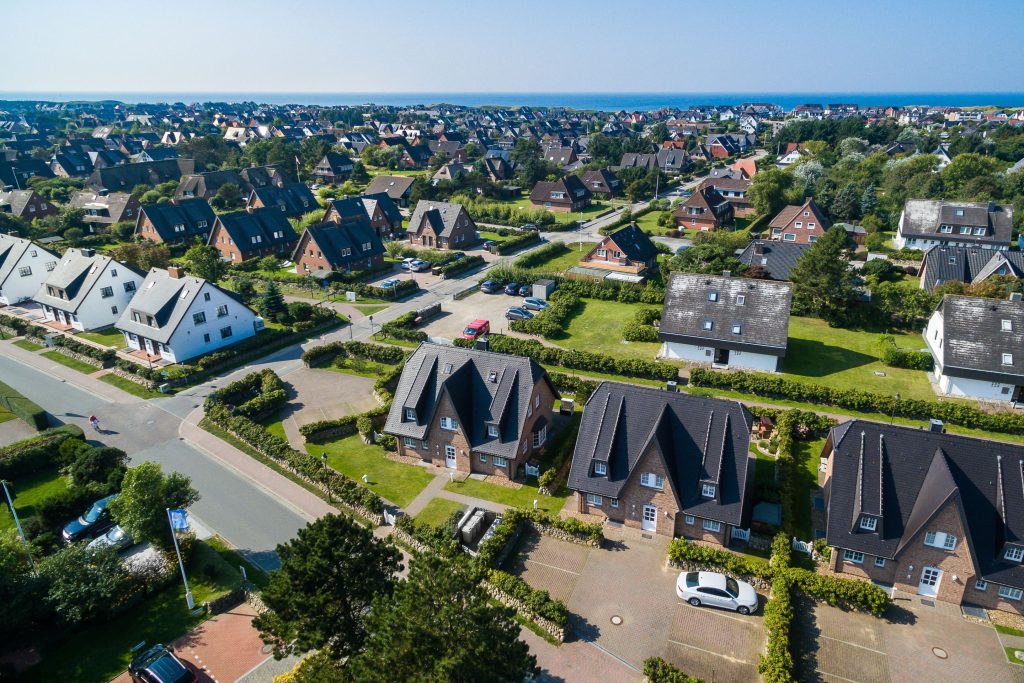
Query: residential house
pixel 704 210
pixel 155 154
pixel 665 462
pixel 799 224
pixel 792 155
pixel 252 233
pixel 969 265
pixel 471 410
pixel 398 187
pixel 441 225
pixel 627 250
pixel 384 214
pixel 104 209
pixel 124 178
pixel 451 171
pixel 978 347
pixel 175 222
pixel 344 247
pixel 174 317
pixel 928 513
pixel 24 266
pixel 206 185
pixel 499 169
pixel 565 195
pixel 26 204
pixel 86 290
pixel 292 200
pixel 775 259
pixel 726 321
pixel 734 190
pixel 70 163
pixel 602 183
pixel 746 167
pixel 559 155
pixel 927 222
pixel 17 173
pixel 333 169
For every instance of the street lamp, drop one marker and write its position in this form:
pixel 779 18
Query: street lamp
pixel 892 418
pixel 327 480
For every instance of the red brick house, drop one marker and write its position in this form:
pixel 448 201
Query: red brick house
pixel 440 225
pixel 175 222
pixel 566 194
pixel 627 250
pixel 602 183
pixel 704 210
pixel 471 410
pixel 253 233
pixel 665 462
pixel 333 247
pixel 799 224
pixel 26 204
pixel 735 192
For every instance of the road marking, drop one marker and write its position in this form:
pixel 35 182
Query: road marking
pixel 862 647
pixel 842 678
pixel 719 613
pixel 551 566
pixel 734 660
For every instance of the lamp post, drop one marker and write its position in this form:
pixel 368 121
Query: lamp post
pixel 327 480
pixel 892 418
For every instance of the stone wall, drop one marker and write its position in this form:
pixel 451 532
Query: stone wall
pixel 410 541
pixel 88 360
pixel 131 377
pixel 563 535
pixel 554 630
pixel 757 582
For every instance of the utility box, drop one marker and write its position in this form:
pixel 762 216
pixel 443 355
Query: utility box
pixel 542 289
pixel 566 406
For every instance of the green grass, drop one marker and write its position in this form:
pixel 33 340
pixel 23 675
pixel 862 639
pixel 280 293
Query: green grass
pixel 395 481
pixel 437 511
pixel 561 216
pixel 597 327
pixel 1009 656
pixel 103 650
pixel 848 359
pixel 1009 630
pixel 27 345
pixel 275 425
pixel 5 415
pixel 58 357
pixel 357 366
pixel 490 235
pixel 108 337
pixel 523 497
pixel 255 574
pixel 370 309
pixel 133 388
pixel 806 454
pixel 404 343
pixel 566 260
pixel 28 491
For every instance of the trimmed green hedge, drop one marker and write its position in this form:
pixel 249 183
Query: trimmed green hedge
pixel 540 255
pixel 459 265
pixel 895 357
pixel 551 322
pixel 322 431
pixel 776 664
pixel 29 455
pixel 539 602
pixel 681 551
pixel 23 408
pixel 516 242
pixel 851 594
pixel 105 356
pixel 255 395
pixel 401 328
pixel 641 328
pixel 380 353
pixel 657 670
pixel 652 292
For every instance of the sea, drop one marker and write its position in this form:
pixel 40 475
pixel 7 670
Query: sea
pixel 599 101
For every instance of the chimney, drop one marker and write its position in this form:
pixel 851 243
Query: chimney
pixel 175 272
pixel 758 248
pixel 103 192
pixel 1015 296
pixel 936 426
pixel 89 253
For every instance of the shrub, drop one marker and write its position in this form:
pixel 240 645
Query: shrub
pixel 105 356
pixel 325 353
pixel 516 242
pixel 657 670
pixel 27 456
pixel 682 552
pixel 23 408
pixel 540 255
pixel 255 395
pixel 641 327
pixel 854 594
pixel 776 665
pixel 459 265
pixel 539 602
pixel 895 357
pixel 550 323
pixel 401 328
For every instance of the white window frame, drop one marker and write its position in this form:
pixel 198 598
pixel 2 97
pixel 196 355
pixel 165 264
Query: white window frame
pixel 1007 325
pixel 600 469
pixel 940 540
pixel 449 451
pixel 712 525
pixel 410 414
pixel 1007 359
pixel 689 519
pixel 708 490
pixel 879 561
pixel 854 556
pixel 868 523
pixel 1010 593
pixel 492 430
pixel 483 457
pixel 410 442
pixel 499 461
pixel 657 483
pixel 449 424
pixel 741 299
pixel 1014 553
pixel 595 500
pixel 981 585
pixel 614 502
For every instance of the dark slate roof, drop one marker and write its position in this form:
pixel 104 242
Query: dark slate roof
pixel 570 185
pixel 386 204
pixel 634 243
pixel 701 440
pixel 333 238
pixel 349 209
pixel 443 216
pixel 923 217
pixel 292 200
pixel 465 375
pixel 968 264
pixel 763 316
pixel 207 184
pixel 914 473
pixel 778 258
pixel 243 227
pixel 394 185
pixel 17 173
pixel 127 176
pixel 973 338
pixel 187 212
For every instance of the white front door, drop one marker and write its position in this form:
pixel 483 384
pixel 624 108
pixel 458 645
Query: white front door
pixel 650 520
pixel 930 577
pixel 449 456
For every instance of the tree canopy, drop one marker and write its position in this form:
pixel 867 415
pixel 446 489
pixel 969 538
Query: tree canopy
pixel 146 493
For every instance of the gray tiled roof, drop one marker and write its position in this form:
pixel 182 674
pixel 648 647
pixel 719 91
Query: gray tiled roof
pixel 465 376
pixel 701 440
pixel 394 186
pixel 763 316
pixel 296 198
pixel 922 217
pixel 243 226
pixel 968 264
pixel 915 473
pixel 332 238
pixel 442 215
pixel 974 341
pixel 76 273
pixel 11 250
pixel 188 212
pixel 778 258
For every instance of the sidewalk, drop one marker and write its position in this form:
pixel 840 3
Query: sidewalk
pixel 89 383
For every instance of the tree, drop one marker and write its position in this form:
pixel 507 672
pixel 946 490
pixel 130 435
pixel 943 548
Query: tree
pixel 143 255
pixel 22 594
pixel 868 200
pixel 822 281
pixel 9 223
pixel 229 196
pixel 768 191
pixel 711 253
pixel 967 167
pixel 204 261
pixel 271 304
pixel 83 584
pixel 330 574
pixel 658 133
pixel 808 173
pixel 102 463
pixel 359 174
pixel 245 290
pixel 146 493
pixel 846 205
pixel 438 626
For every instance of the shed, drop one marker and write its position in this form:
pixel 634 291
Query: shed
pixel 542 288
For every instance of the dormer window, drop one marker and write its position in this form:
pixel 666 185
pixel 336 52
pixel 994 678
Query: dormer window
pixel 958 212
pixel 712 296
pixel 1007 325
pixel 410 414
pixel 1007 359
pixel 447 368
pixel 868 523
pixel 449 423
pixel 741 299
pixel 600 469
pixel 1014 553
pixel 736 328
pixel 707 490
pixel 708 324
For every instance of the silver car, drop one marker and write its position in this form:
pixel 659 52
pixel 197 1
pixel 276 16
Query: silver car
pixel 117 538
pixel 716 590
pixel 531 303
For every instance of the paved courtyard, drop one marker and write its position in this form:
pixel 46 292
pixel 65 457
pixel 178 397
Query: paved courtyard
pixel 457 314
pixel 325 395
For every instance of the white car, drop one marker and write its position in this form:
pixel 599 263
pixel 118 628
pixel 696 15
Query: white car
pixel 117 538
pixel 716 590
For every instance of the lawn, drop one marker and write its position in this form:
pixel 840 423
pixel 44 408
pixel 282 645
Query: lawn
pixel 27 345
pixel 275 425
pixel 848 359
pixel 108 337
pixel 103 650
pixel 491 236
pixel 370 309
pixel 395 481
pixel 649 223
pixel 565 260
pixel 597 327
pixel 438 510
pixel 28 491
pixel 567 217
pixel 234 559
pixel 522 497
pixel 806 454
pixel 5 415
pixel 133 388
pixel 358 366
pixel 58 357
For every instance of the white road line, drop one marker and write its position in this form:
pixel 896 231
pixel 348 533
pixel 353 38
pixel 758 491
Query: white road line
pixel 826 673
pixel 551 566
pixel 716 654
pixel 862 647
pixel 719 613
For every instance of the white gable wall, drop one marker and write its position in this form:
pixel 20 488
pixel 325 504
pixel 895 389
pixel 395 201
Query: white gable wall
pixel 190 339
pixel 740 360
pixel 18 287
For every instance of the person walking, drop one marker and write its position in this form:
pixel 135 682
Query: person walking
pixel 94 422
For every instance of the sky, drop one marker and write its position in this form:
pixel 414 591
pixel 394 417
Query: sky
pixel 322 46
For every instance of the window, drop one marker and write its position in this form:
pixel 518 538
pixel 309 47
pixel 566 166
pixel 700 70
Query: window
pixel 853 556
pixel 958 212
pixel 206 338
pixel 741 299
pixel 499 461
pixel 199 318
pixel 107 292
pixel 33 253
pixel 979 231
pixel 410 442
pixel 449 423
pixel 1007 359
pixel 222 310
pixel 965 230
pixel 602 253
pixel 595 500
pixel 736 328
pixel 689 519
pixel 1011 593
pixel 425 444
pixel 798 224
pixel 1007 325
pixel 946 229
pixel 113 309
pixel 539 437
pixel 879 561
pixel 708 490
pixel 652 481
pixel 25 271
pixel 938 539
pixel 113 272
pixel 536 401
pixel 206 296
pixel 810 226
pixel 1014 553
pixel 708 324
pixel 50 265
pixel 600 469
pixel 129 287
pixel 483 457
pixel 812 239
pixel 615 502
pixel 225 332
pixel 523 446
pixel 712 296
pixel 492 430
pixel 410 414
pixel 868 523
pixel 449 450
pixel 789 237
pixel 981 585
pixel 712 525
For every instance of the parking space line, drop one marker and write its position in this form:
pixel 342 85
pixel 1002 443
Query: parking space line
pixel 862 647
pixel 718 613
pixel 551 566
pixel 842 678
pixel 734 660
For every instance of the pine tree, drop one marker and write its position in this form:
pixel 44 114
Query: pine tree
pixel 868 201
pixel 822 282
pixel 271 304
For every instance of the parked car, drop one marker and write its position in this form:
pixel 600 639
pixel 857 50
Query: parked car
pixel 160 665
pixel 406 263
pixel 456 256
pixel 716 590
pixel 525 290
pixel 517 313
pixel 117 538
pixel 529 226
pixel 390 282
pixel 512 288
pixel 681 248
pixel 418 266
pixel 490 287
pixel 532 303
pixel 476 329
pixel 94 522
pixel 488 245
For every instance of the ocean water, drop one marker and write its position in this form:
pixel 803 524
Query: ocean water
pixel 598 101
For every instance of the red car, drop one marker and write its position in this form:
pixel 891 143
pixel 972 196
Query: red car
pixel 476 329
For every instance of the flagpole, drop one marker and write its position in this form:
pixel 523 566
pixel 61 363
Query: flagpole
pixel 188 594
pixel 17 523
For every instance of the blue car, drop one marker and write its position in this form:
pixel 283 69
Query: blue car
pixel 392 282
pixel 490 287
pixel 159 664
pixel 512 289
pixel 525 290
pixel 94 522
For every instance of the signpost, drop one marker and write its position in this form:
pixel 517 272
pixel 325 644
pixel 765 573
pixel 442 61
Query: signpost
pixel 179 522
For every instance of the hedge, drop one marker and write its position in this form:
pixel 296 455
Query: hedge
pixel 681 552
pixel 21 407
pixel 33 454
pixel 772 386
pixel 540 255
pixel 324 353
pixel 657 670
pixel 323 431
pixel 516 242
pixel 459 265
pixel 776 664
pixel 895 357
pixel 105 356
pixel 851 594
pixel 641 328
pixel 401 328
pixel 551 322
pixel 255 395
pixel 607 290
pixel 539 602
pixel 581 388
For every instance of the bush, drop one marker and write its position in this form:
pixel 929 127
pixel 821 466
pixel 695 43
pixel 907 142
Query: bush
pixel 657 670
pixel 256 395
pixel 539 602
pixel 855 594
pixel 776 665
pixel 682 552
pixel 641 328
pixel 23 408
pixel 459 265
pixel 516 242
pixel 551 322
pixel 540 255
pixel 27 456
pixel 895 357
pixel 326 353
pixel 401 328
pixel 105 356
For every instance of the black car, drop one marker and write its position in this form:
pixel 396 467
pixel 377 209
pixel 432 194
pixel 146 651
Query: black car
pixel 525 290
pixel 94 522
pixel 159 665
pixel 456 256
pixel 512 289
pixel 490 287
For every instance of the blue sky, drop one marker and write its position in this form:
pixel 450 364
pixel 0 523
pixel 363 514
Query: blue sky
pixel 524 46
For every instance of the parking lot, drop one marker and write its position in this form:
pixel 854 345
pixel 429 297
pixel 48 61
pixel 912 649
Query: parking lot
pixel 622 599
pixel 457 314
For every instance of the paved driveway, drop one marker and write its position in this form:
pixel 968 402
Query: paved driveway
pixel 457 314
pixel 628 579
pixel 326 395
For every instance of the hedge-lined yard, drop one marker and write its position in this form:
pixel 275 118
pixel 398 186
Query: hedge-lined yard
pixel 395 481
